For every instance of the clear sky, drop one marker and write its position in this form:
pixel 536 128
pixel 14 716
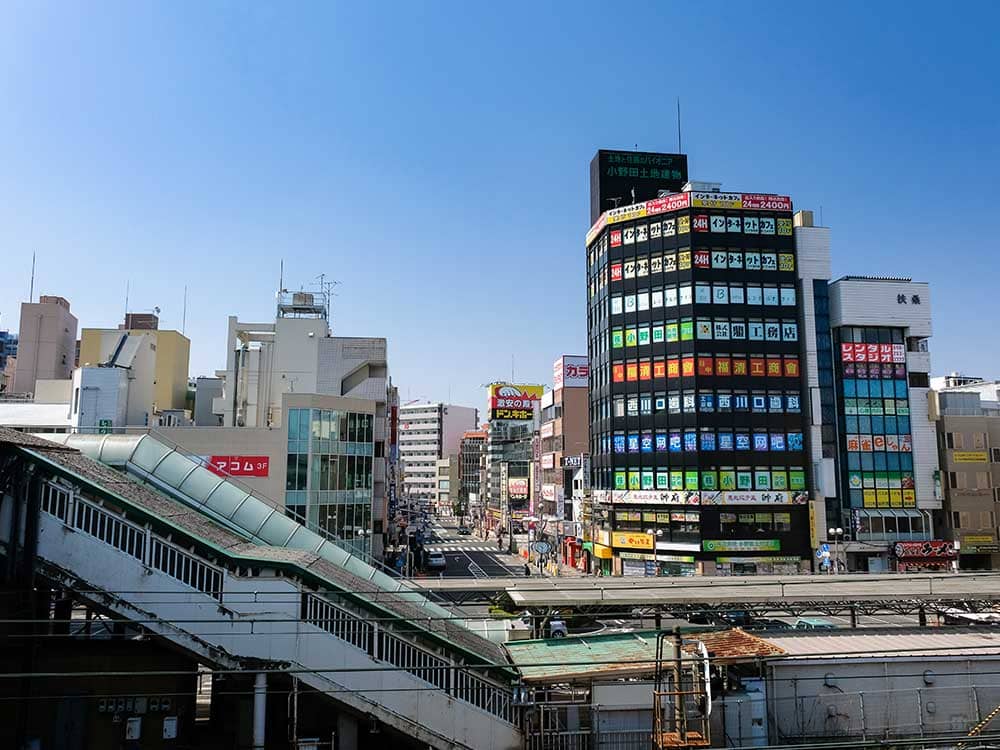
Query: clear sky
pixel 433 158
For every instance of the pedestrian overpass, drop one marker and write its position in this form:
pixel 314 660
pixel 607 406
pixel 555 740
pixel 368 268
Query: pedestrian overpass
pixel 197 561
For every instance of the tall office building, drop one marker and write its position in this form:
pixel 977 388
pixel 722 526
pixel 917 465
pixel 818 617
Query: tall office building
pixel 46 343
pixel 428 432
pixel 696 389
pixel 471 453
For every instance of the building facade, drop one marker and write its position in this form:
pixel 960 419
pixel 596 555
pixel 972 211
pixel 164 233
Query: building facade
pixel 886 450
pixel 697 434
pixel 511 436
pixel 563 433
pixel 472 455
pixel 448 481
pixel 8 358
pixel 46 343
pixel 968 441
pixel 428 432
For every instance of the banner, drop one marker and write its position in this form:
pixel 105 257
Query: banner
pixel 514 402
pixel 633 540
pixel 239 466
pixel 570 372
pixel 517 488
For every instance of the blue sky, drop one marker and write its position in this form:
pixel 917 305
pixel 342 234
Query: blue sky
pixel 433 157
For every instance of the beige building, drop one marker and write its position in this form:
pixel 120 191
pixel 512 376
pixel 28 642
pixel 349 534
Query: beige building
pixel 448 481
pixel 46 343
pixel 969 453
pixel 564 433
pixel 170 350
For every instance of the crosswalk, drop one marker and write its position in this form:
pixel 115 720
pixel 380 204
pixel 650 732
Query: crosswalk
pixel 461 547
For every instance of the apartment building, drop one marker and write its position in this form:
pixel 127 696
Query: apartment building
pixel 427 433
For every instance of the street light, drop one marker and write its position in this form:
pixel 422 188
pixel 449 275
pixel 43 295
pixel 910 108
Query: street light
pixel 836 534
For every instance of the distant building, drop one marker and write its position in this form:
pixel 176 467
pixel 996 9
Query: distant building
pixel 46 342
pixel 448 480
pixel 8 359
pixel 428 432
pixel 206 391
pixel 472 454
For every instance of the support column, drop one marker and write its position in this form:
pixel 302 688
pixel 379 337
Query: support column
pixel 347 732
pixel 259 710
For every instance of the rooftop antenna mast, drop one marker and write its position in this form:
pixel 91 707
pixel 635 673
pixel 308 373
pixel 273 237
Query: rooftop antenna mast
pixel 126 297
pixel 281 275
pixel 184 314
pixel 679 125
pixel 327 288
pixel 31 288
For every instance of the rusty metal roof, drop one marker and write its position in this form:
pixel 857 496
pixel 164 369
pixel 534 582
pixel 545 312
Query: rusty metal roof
pixel 734 645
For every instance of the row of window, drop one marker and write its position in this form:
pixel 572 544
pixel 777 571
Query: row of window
pixel 705 440
pixel 773 402
pixel 877 462
pixel 328 472
pixel 708 402
pixel 706 329
pixel 883 425
pixel 329 424
pixel 684 260
pixel 716 223
pixel 704 366
pixel 703 294
pixel 876 406
pixel 725 479
pixel 874 371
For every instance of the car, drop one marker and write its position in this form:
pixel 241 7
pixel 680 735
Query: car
pixel 464 530
pixel 436 560
pixel 768 623
pixel 813 623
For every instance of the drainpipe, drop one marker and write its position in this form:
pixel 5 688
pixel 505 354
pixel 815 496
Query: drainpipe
pixel 259 710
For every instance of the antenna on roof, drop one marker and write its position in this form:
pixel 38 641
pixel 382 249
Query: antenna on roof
pixel 678 125
pixel 184 314
pixel 31 288
pixel 126 297
pixel 281 275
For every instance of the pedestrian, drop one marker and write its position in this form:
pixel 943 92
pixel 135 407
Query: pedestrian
pixel 527 570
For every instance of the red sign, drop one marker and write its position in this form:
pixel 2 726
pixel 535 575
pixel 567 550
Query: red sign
pixel 847 352
pixel 702 258
pixel 667 203
pixel 239 466
pixel 699 222
pixel 616 238
pixel 616 271
pixel 767 202
pixel 934 548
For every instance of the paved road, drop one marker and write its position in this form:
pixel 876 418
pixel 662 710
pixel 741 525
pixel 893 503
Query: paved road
pixel 469 556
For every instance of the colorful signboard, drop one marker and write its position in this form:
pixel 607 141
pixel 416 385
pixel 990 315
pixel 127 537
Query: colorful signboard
pixel 969 457
pixel 933 548
pixel 617 176
pixel 570 371
pixel 513 402
pixel 632 540
pixel 741 545
pixel 754 498
pixel 239 466
pixel 517 488
pixel 677 201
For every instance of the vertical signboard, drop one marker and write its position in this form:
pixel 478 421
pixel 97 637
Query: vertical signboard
pixel 570 371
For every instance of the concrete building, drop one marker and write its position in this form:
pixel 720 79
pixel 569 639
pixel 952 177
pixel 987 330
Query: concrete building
pixel 206 391
pixel 170 353
pixel 887 458
pixel 697 431
pixel 563 434
pixel 968 441
pixel 326 397
pixel 8 359
pixel 472 458
pixel 46 342
pixel 428 432
pixel 448 480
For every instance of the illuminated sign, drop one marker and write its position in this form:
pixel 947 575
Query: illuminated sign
pixel 633 540
pixel 632 176
pixel 570 372
pixel 517 488
pixel 741 545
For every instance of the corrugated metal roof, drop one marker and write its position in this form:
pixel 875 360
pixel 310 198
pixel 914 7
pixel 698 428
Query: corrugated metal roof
pixel 903 643
pixel 735 645
pixel 585 657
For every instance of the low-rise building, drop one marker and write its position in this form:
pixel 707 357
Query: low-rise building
pixel 46 342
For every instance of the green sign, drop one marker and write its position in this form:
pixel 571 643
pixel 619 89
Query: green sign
pixel 741 545
pixel 104 426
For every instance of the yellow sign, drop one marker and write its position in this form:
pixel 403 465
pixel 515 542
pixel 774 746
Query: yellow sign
pixel 813 540
pixel 978 539
pixel 969 457
pixel 717 200
pixel 631 540
pixel 602 552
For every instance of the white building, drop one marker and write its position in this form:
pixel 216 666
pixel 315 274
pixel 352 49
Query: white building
pixel 428 432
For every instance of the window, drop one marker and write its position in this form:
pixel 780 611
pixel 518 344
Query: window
pixel 996 454
pixel 956 480
pixel 979 440
pixel 954 440
pixel 919 380
pixel 983 481
pixel 986 519
pixel 960 519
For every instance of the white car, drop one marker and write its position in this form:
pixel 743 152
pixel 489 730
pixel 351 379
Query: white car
pixel 436 560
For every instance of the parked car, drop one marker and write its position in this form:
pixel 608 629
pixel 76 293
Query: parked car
pixel 464 530
pixel 768 623
pixel 813 623
pixel 436 560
